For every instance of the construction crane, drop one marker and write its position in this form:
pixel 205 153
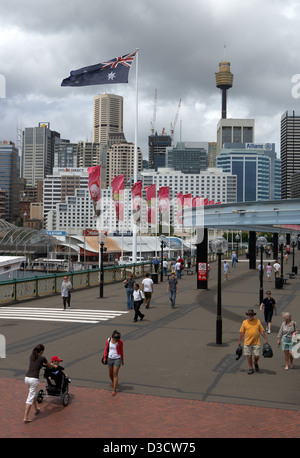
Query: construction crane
pixel 175 121
pixel 154 113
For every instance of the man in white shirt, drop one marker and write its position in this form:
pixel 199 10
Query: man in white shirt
pixel 276 267
pixel 178 269
pixel 147 288
pixel 165 267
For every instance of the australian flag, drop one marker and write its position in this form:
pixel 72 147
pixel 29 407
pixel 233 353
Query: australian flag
pixel 110 72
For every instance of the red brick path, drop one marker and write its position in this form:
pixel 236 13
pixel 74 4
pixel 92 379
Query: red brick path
pixel 94 413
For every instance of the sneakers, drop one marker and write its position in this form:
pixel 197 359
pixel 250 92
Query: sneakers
pixel 251 371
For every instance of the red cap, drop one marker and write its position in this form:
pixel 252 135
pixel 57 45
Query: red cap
pixel 55 358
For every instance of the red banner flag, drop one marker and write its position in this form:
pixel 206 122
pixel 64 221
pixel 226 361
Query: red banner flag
pixel 196 202
pixel 151 203
pixel 95 187
pixel 164 199
pixel 136 192
pixel 117 185
pixel 187 201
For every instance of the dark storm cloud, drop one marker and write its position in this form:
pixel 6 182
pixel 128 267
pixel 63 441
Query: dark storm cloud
pixel 180 46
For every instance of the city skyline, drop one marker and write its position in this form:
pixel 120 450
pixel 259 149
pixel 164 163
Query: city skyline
pixel 179 60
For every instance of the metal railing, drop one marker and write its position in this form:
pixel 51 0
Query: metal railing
pixel 46 285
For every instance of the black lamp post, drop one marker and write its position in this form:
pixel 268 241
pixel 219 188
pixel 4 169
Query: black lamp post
pixel 281 241
pixel 261 243
pixel 294 241
pixel 219 246
pixel 237 239
pixel 101 269
pixel 162 244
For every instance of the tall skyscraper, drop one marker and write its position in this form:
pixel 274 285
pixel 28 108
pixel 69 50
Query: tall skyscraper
pixel 10 178
pixel 257 169
pixel 108 116
pixel 120 160
pixel 157 150
pixel 38 152
pixel 289 151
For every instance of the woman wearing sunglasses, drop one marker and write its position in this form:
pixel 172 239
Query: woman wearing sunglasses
pixel 113 354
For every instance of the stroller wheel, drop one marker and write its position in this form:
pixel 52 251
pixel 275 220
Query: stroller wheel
pixel 40 396
pixel 66 399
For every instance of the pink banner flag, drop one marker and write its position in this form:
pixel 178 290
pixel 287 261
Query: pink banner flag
pixel 151 204
pixel 136 192
pixel 95 187
pixel 164 199
pixel 117 185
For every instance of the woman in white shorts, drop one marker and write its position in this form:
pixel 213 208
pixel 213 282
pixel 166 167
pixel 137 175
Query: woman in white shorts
pixel 36 362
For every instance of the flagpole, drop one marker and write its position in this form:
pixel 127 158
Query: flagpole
pixel 134 245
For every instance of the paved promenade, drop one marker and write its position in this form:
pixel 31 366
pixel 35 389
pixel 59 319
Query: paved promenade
pixel 176 382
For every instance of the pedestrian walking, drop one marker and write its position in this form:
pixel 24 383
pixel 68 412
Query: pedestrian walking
pixel 250 331
pixel 129 285
pixel 287 331
pixel 173 266
pixel 259 269
pixel 234 260
pixel 276 267
pixel 178 269
pixel 36 361
pixel 147 288
pixel 269 305
pixel 165 267
pixel 226 269
pixel 156 264
pixel 269 271
pixel 66 287
pixel 114 355
pixel 172 289
pixel 138 299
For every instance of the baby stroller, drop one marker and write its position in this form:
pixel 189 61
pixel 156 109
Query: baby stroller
pixel 57 384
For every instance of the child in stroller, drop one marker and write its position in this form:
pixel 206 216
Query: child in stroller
pixel 57 382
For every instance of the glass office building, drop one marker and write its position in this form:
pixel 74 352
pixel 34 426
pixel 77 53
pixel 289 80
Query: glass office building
pixel 257 168
pixel 10 178
pixel 188 157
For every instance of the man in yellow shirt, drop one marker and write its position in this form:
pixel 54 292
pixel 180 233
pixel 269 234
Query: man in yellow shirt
pixel 251 330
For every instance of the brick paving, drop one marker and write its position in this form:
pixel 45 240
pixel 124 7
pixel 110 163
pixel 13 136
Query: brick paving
pixel 208 395
pixel 94 413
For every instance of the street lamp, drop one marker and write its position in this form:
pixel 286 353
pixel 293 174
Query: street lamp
pixel 101 240
pixel 219 246
pixel 281 241
pixel 162 244
pixel 261 243
pixel 237 239
pixel 294 239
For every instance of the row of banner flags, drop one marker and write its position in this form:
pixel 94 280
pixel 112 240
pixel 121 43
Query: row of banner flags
pixel 183 200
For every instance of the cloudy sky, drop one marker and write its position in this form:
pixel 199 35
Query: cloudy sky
pixel 180 46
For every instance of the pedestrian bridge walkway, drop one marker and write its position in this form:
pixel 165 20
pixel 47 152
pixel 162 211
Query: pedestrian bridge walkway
pixel 173 367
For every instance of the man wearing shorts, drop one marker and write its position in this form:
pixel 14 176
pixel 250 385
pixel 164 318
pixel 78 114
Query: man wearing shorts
pixel 147 288
pixel 251 330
